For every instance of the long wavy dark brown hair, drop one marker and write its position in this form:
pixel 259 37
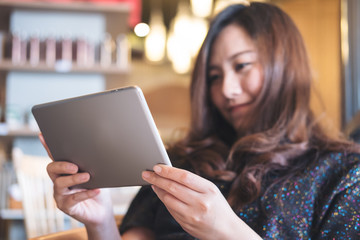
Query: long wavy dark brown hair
pixel 281 135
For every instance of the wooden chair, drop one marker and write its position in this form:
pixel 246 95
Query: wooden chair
pixel 7 212
pixel 72 234
pixel 40 212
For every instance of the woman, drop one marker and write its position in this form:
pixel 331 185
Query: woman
pixel 255 163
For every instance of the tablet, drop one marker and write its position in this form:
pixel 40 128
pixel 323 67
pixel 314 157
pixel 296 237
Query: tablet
pixel 111 135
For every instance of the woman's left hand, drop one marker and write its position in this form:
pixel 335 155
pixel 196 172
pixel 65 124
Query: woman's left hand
pixel 196 204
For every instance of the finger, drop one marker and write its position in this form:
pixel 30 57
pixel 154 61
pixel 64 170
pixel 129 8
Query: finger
pixel 75 198
pixel 177 190
pixel 178 209
pixel 62 184
pixel 184 177
pixel 172 203
pixel 58 168
pixel 42 140
pixel 82 196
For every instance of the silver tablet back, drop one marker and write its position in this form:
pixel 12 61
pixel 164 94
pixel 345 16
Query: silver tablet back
pixel 111 135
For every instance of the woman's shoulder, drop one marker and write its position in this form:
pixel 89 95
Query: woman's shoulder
pixel 336 190
pixel 336 169
pixel 338 161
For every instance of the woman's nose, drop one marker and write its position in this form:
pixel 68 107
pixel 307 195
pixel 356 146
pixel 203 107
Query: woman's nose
pixel 231 86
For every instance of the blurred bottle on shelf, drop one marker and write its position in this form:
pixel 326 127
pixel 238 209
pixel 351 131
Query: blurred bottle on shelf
pixel 34 50
pixel 106 50
pixel 90 54
pixel 80 52
pixel 64 54
pixel 50 50
pixel 66 49
pixel 122 51
pixel 18 49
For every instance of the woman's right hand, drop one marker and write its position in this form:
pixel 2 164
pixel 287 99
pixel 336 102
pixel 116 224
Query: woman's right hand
pixel 91 207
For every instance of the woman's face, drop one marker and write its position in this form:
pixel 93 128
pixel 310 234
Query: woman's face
pixel 235 74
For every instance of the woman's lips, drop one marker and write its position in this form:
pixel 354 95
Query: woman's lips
pixel 239 107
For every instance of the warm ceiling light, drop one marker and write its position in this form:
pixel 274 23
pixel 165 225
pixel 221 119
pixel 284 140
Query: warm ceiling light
pixel 156 39
pixel 201 8
pixel 179 54
pixel 185 38
pixel 222 4
pixel 141 30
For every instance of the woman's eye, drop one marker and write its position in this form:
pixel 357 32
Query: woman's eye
pixel 241 66
pixel 213 78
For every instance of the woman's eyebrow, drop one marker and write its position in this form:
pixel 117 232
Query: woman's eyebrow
pixel 242 53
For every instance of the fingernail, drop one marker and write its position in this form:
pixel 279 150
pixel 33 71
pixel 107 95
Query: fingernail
pixel 71 167
pixel 157 169
pixel 146 174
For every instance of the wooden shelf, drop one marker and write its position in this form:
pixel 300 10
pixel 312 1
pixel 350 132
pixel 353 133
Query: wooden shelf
pixel 8 66
pixel 116 14
pixel 11 214
pixel 85 6
pixel 23 131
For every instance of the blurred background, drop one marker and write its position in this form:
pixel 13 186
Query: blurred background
pixel 50 50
